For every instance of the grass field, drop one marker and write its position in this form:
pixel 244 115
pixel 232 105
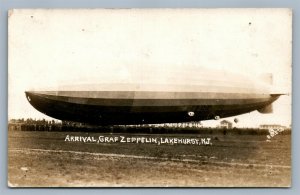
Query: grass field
pixel 45 159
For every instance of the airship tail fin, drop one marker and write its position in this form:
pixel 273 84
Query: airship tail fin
pixel 267 78
pixel 275 90
pixel 267 109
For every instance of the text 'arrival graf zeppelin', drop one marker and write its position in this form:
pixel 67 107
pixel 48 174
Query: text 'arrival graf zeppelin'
pixel 138 140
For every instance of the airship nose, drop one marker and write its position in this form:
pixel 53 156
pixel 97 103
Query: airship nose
pixel 28 95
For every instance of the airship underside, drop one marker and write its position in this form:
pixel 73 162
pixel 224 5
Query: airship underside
pixel 141 105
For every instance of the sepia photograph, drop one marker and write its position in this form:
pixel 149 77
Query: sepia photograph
pixel 150 97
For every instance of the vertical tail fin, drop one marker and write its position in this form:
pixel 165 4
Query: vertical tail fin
pixel 267 109
pixel 267 78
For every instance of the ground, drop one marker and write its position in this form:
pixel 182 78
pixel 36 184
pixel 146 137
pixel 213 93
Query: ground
pixel 42 159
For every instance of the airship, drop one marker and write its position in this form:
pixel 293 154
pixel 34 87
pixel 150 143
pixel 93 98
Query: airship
pixel 178 98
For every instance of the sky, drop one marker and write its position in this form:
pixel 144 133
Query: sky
pixel 51 48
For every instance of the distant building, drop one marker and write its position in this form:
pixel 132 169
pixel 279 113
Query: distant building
pixel 271 126
pixel 224 124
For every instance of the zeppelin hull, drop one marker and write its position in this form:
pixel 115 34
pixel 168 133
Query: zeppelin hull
pixel 113 108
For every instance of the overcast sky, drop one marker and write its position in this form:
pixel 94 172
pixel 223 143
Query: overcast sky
pixel 50 48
